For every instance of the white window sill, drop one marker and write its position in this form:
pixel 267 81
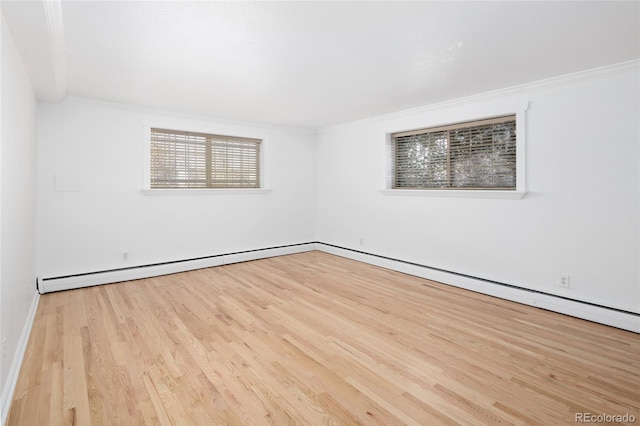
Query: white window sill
pixel 208 191
pixel 512 195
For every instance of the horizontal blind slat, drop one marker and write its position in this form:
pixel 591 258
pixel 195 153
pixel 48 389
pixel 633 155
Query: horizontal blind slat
pixel 189 159
pixel 472 155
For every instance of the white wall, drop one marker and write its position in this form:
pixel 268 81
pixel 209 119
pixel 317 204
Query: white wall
pixel 17 209
pixel 92 209
pixel 580 216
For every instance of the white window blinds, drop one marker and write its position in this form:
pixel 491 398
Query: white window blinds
pixel 198 160
pixel 472 155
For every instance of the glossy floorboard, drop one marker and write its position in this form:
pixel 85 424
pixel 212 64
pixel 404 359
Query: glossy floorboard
pixel 314 339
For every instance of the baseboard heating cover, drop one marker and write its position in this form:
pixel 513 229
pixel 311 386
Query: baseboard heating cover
pixel 589 311
pixel 69 282
pixel 625 320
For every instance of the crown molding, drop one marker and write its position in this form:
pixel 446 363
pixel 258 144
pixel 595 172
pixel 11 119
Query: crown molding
pixel 55 31
pixel 485 96
pixel 177 115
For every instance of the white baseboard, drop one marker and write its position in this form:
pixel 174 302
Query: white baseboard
pixel 12 378
pixel 587 311
pixel 599 314
pixel 47 285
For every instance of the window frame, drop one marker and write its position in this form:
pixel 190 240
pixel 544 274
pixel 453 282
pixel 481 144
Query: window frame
pixel 463 115
pixel 180 127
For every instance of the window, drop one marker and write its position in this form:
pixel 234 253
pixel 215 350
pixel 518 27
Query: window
pixel 198 160
pixel 475 155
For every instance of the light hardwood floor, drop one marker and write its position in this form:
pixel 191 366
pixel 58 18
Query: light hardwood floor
pixel 314 339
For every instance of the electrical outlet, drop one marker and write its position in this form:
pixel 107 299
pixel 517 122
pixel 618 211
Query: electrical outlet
pixel 125 256
pixel 565 281
pixel 361 241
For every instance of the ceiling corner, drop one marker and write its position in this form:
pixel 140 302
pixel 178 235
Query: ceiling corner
pixel 55 30
pixel 37 31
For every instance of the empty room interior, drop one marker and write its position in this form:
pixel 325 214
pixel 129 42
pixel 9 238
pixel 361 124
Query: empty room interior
pixel 253 213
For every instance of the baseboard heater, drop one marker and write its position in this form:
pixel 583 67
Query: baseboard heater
pixel 68 282
pixel 615 317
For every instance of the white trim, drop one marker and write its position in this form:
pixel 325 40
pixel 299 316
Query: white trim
pixel 209 128
pixel 172 114
pixel 145 271
pixel 513 90
pixel 470 112
pixel 511 195
pixel 602 315
pixel 146 156
pixel 12 377
pixel 208 191
pixel 55 31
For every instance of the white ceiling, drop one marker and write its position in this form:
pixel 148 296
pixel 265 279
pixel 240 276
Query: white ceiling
pixel 310 64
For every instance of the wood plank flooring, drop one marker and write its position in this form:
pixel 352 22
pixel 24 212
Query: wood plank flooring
pixel 314 339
